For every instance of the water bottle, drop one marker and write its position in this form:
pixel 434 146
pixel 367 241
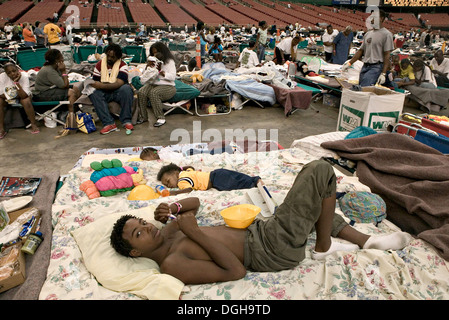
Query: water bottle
pixel 163 191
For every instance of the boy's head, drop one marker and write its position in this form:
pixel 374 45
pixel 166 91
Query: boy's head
pixel 395 59
pixel 134 237
pixel 251 44
pixel 418 65
pixel 405 63
pixel 149 154
pixel 168 175
pixel 192 64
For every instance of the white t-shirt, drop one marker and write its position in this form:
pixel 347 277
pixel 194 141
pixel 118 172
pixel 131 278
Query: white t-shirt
pixel 248 58
pixel 9 89
pixel 427 76
pixel 443 67
pixel 286 44
pixel 329 38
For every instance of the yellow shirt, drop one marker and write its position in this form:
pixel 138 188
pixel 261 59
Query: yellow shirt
pixel 197 180
pixel 52 31
pixel 408 72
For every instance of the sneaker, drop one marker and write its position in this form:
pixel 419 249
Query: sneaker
pixel 108 129
pixel 159 122
pixel 128 126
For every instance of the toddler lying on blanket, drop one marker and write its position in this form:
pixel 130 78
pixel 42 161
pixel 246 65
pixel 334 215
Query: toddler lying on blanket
pixel 187 179
pixel 197 255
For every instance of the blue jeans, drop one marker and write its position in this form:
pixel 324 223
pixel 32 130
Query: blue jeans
pixel 261 53
pixel 123 96
pixel 369 74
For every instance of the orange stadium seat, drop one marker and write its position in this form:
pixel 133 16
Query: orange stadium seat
pixel 12 9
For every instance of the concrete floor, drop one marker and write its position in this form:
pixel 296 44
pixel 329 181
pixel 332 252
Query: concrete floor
pixel 25 154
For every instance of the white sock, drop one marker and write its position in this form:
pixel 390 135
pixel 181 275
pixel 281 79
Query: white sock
pixel 393 241
pixel 335 246
pixel 160 121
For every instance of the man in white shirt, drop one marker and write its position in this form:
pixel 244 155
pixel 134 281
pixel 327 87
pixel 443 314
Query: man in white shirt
pixel 440 69
pixel 286 49
pixel 248 57
pixel 328 42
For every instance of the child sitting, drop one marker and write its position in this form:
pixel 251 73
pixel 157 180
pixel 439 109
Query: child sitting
pixel 187 179
pixel 248 58
pixel 216 49
pixel 406 77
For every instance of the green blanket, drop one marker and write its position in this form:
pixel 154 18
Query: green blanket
pixel 183 91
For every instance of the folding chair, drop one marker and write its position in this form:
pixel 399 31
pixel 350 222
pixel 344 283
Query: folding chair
pixel 184 93
pixel 137 52
pixel 47 113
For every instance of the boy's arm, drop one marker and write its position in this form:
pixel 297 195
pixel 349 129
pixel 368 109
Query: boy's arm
pixel 224 266
pixel 163 210
pixel 181 191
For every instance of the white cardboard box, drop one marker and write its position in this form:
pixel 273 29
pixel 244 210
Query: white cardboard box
pixel 373 107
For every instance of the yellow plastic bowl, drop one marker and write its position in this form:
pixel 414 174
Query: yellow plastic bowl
pixel 240 216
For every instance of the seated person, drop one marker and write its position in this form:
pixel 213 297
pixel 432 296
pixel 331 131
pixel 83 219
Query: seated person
pixel 248 58
pixel 111 84
pixel 15 88
pixel 207 254
pixel 424 77
pixel 395 66
pixel 162 89
pixel 406 77
pixel 216 49
pixel 187 179
pixel 286 49
pixel 52 84
pixel 440 69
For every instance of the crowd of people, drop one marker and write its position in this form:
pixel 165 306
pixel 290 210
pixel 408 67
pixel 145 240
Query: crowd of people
pixel 110 77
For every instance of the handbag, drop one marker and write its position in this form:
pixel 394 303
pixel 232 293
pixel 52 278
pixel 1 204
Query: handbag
pixel 85 122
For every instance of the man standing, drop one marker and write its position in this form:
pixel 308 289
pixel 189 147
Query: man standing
pixel 342 45
pixel 111 84
pixel 440 69
pixel 374 53
pixel 52 31
pixel 328 41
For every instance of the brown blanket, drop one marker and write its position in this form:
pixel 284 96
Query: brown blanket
pixel 411 177
pixel 297 98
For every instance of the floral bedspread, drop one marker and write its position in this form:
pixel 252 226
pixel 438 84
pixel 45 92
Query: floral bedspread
pixel 416 272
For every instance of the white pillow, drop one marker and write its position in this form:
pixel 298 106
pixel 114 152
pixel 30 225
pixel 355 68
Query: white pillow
pixel 140 276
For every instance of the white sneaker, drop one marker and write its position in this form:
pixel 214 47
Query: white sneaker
pixel 49 122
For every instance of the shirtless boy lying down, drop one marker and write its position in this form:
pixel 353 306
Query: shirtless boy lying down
pixel 198 255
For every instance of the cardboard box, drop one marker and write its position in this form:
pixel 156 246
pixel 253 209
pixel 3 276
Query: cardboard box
pixel 373 107
pixel 18 277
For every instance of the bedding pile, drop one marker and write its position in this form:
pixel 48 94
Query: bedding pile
pixel 416 272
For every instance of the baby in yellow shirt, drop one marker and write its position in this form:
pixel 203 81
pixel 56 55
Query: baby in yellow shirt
pixel 188 179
